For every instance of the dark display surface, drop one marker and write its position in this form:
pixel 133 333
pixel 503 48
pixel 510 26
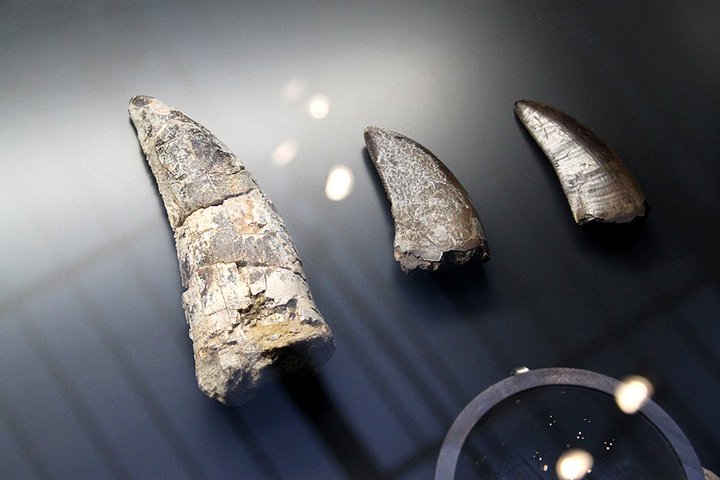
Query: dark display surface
pixel 96 370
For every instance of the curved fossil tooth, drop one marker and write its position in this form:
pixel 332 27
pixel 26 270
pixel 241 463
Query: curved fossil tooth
pixel 598 186
pixel 435 221
pixel 247 303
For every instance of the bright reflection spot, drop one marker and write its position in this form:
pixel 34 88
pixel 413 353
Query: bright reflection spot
pixel 574 464
pixel 285 152
pixel 318 106
pixel 339 183
pixel 293 90
pixel 632 393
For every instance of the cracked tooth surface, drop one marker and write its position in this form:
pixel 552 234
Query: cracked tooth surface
pixel 247 303
pixel 435 221
pixel 597 184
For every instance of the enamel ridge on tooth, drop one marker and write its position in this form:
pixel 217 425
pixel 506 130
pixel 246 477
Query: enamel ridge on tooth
pixel 247 303
pixel 435 221
pixel 597 184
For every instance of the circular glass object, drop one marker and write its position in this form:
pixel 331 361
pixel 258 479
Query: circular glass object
pixel 563 424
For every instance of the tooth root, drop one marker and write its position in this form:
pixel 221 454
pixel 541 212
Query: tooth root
pixel 435 221
pixel 598 186
pixel 247 303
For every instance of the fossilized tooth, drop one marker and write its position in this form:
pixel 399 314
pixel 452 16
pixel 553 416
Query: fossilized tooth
pixel 247 303
pixel 435 221
pixel 597 184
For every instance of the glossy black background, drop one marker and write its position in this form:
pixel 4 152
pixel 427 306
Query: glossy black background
pixel 96 372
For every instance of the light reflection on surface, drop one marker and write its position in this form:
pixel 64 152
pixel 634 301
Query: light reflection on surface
pixel 318 106
pixel 339 183
pixel 574 464
pixel 293 89
pixel 285 152
pixel 632 393
pixel 538 458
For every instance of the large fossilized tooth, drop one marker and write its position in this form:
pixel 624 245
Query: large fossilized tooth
pixel 597 184
pixel 247 303
pixel 435 221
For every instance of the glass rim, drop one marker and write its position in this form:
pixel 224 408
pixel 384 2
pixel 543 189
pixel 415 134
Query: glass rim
pixel 546 377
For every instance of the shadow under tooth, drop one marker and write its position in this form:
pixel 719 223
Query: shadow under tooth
pixel 597 184
pixel 435 221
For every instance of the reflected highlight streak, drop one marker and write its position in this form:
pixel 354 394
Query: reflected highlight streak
pixel 574 465
pixel 339 183
pixel 285 152
pixel 318 106
pixel 632 393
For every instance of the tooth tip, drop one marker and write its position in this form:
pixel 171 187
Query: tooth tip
pixel 373 130
pixel 374 135
pixel 525 105
pixel 140 101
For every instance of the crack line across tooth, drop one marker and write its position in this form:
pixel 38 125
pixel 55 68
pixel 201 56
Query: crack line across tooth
pixel 247 303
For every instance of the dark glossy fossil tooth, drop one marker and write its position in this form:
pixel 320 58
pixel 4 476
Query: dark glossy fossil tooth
pixel 598 186
pixel 435 221
pixel 248 305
